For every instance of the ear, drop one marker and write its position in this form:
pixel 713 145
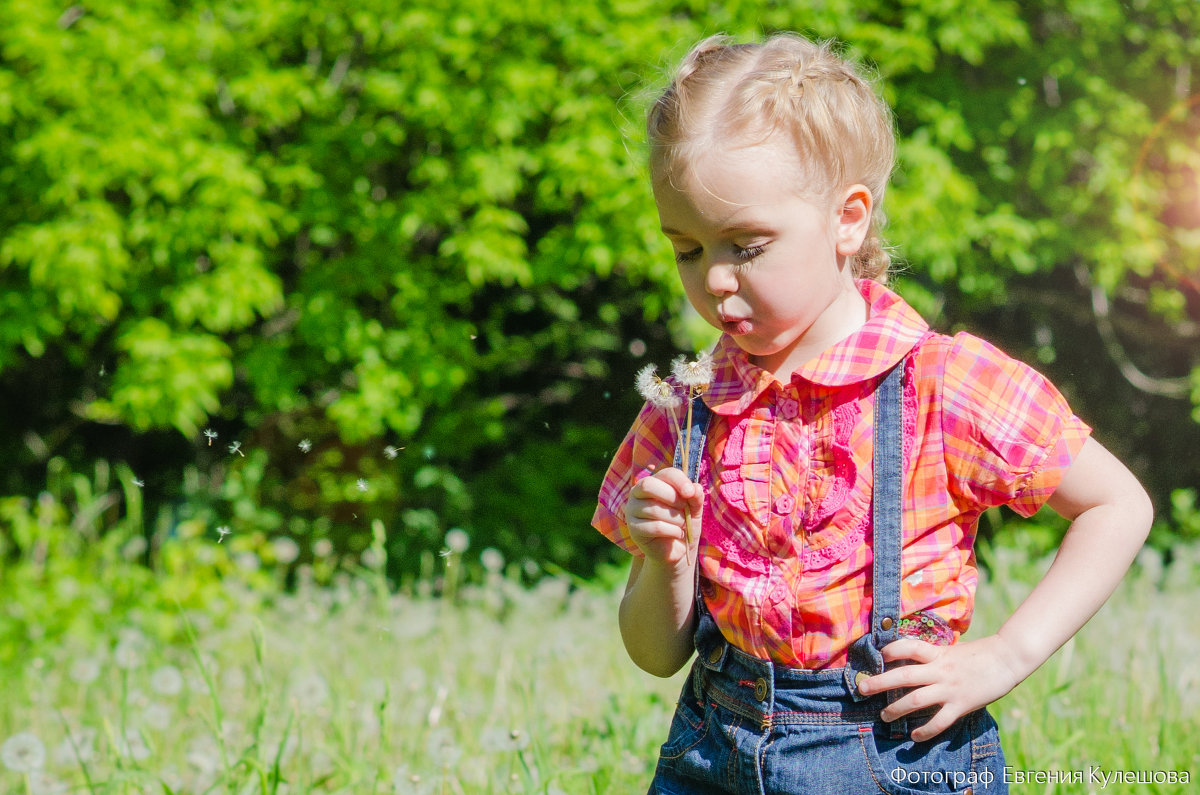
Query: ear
pixel 854 219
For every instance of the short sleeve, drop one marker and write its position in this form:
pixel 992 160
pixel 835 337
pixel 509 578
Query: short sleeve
pixel 1008 434
pixel 648 447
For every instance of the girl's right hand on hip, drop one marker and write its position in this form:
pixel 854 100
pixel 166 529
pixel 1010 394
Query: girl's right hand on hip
pixel 655 514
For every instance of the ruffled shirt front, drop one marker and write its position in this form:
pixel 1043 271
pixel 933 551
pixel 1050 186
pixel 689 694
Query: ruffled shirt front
pixel 785 551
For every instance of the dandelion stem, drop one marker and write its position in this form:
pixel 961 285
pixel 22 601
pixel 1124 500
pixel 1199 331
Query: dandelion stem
pixel 687 461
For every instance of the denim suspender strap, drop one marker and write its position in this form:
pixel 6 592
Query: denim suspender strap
pixel 698 430
pixel 887 514
pixel 708 635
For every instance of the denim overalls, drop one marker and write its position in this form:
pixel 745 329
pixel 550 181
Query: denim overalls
pixel 749 726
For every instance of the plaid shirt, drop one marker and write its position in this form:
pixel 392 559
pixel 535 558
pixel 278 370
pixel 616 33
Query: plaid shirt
pixel 784 548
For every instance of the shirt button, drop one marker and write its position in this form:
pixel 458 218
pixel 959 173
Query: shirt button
pixel 789 408
pixel 784 504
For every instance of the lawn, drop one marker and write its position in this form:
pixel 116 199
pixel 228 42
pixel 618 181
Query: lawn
pixel 495 687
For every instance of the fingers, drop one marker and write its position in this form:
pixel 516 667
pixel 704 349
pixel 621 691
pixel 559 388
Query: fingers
pixel 669 485
pixel 898 676
pixel 910 649
pixel 655 513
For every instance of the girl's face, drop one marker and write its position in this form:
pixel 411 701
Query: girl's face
pixel 757 260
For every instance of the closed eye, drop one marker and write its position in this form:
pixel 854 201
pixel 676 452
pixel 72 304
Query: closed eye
pixel 749 253
pixel 687 256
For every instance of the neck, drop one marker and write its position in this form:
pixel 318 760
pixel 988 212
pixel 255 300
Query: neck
pixel 844 316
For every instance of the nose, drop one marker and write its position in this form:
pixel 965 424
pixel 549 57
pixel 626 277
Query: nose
pixel 720 280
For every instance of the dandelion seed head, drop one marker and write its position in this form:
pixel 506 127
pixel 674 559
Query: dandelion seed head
pixel 504 740
pixel 361 484
pixel 85 670
pixel 310 691
pixel 157 716
pixel 130 649
pixel 657 392
pixel 23 753
pixel 371 558
pixel 247 562
pixel 492 560
pixel 166 680
pixel 285 550
pixel 457 540
pixel 79 746
pixel 696 374
pixel 305 445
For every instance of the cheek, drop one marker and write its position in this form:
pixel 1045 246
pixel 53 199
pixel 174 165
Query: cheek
pixel 693 287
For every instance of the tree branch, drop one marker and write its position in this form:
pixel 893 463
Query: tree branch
pixel 1166 387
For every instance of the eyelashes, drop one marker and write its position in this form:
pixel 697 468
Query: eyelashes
pixel 743 254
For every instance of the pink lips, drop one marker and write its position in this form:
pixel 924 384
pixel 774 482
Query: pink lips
pixel 736 327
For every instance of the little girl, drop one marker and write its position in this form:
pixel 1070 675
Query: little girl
pixel 846 454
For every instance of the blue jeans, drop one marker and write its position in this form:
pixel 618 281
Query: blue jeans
pixel 745 725
pixel 748 726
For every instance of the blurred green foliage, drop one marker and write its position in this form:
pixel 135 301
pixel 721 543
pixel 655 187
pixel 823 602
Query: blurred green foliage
pixel 420 237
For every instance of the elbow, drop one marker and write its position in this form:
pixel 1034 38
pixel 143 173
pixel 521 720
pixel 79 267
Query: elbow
pixel 1143 510
pixel 655 658
pixel 656 666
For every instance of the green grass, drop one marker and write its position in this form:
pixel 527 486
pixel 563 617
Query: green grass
pixel 504 689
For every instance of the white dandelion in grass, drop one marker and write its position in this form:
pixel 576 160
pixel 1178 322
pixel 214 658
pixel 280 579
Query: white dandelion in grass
pixel 504 740
pixel 457 540
pixel 166 680
pixel 78 747
pixel 492 560
pixel 210 434
pixel 305 445
pixel 85 670
pixel 691 379
pixel 23 753
pixel 310 691
pixel 131 648
pixel 285 550
pixel 236 447
pixel 157 715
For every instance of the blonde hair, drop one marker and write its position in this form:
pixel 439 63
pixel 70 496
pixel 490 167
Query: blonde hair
pixel 841 127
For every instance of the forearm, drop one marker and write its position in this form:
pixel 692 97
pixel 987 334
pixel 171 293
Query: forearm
pixel 1097 550
pixel 657 616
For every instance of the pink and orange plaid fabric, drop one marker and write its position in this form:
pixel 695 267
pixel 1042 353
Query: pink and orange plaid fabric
pixel 785 554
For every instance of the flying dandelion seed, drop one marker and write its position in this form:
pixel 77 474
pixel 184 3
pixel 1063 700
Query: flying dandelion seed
pixel 236 447
pixel 361 484
pixel 305 445
pixel 139 483
pixel 222 531
pixel 390 452
pixel 211 434
pixel 23 753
